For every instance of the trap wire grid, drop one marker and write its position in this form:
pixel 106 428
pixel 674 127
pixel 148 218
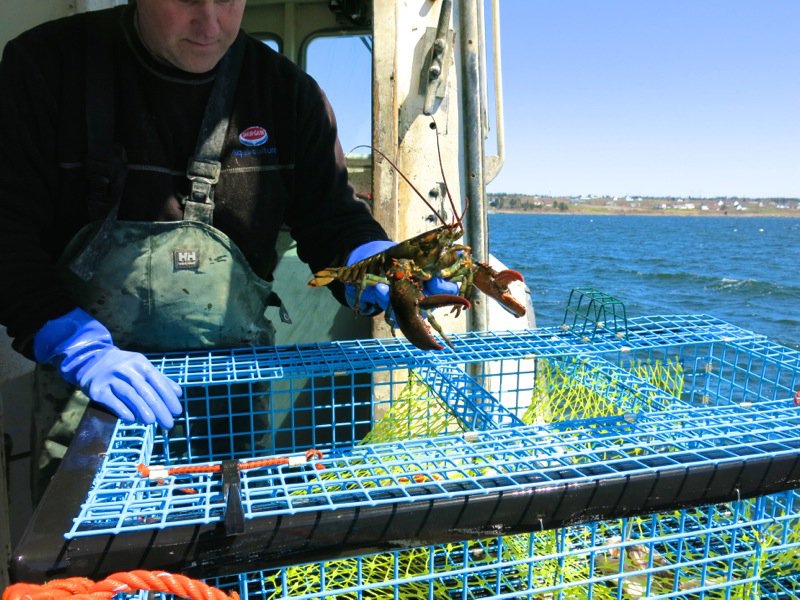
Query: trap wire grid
pixel 535 477
pixel 497 477
pixel 370 355
pixel 710 445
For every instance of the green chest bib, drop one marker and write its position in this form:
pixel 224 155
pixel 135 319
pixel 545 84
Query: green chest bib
pixel 161 286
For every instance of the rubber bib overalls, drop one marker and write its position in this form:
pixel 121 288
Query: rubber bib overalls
pixel 164 286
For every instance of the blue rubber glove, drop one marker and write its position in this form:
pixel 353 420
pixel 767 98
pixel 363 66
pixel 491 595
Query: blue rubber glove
pixel 439 285
pixel 81 348
pixel 374 298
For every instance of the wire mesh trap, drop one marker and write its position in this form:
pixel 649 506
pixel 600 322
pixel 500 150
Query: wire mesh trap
pixel 534 464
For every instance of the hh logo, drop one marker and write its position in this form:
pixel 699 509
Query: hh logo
pixel 185 259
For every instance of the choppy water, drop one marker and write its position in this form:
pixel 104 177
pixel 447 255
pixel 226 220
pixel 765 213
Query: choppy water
pixel 745 270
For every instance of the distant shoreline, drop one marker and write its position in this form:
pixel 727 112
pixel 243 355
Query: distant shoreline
pixel 644 205
pixel 627 212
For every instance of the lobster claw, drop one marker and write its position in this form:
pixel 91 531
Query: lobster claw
pixel 413 323
pixel 408 302
pixel 495 285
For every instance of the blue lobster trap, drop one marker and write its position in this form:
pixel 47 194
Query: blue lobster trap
pixel 658 460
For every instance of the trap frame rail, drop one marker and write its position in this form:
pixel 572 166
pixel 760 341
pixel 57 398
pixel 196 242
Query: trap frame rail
pixel 527 478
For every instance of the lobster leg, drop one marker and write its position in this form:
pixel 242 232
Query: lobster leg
pixel 458 302
pixel 495 285
pixel 353 274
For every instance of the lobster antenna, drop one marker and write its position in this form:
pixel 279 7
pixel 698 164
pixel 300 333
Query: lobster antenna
pixel 460 218
pixel 406 179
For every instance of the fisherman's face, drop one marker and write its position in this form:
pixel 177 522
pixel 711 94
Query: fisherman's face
pixel 192 35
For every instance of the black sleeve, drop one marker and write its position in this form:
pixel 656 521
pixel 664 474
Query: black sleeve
pixel 31 293
pixel 326 218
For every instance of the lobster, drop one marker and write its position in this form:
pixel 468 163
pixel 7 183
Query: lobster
pixel 408 301
pixel 407 265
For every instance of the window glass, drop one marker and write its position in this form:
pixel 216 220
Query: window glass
pixel 271 42
pixel 342 65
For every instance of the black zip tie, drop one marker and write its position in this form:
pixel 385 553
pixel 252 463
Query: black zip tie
pixel 232 493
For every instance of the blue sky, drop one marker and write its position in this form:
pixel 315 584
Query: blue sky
pixel 635 97
pixel 646 97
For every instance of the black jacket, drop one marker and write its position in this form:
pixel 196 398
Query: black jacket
pixel 297 178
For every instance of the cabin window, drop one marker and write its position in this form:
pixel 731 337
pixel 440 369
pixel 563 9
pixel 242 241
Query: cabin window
pixel 342 65
pixel 271 42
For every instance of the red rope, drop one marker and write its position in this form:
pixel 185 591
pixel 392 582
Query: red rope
pixel 80 588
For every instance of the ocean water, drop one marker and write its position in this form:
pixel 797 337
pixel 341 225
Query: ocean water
pixel 744 270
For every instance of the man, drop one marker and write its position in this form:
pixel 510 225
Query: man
pixel 111 245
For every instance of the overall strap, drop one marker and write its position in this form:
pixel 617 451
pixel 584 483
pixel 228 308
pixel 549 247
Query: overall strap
pixel 204 167
pixel 106 163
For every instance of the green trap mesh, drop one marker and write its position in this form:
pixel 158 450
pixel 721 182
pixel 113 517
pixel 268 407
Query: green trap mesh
pixel 591 311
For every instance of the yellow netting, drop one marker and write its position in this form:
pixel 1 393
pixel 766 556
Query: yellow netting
pixel 376 576
pixel 415 413
pixel 574 388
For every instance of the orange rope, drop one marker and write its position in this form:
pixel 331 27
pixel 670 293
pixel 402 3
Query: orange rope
pixel 144 470
pixel 80 588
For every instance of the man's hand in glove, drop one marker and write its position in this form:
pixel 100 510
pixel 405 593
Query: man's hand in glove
pixel 82 350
